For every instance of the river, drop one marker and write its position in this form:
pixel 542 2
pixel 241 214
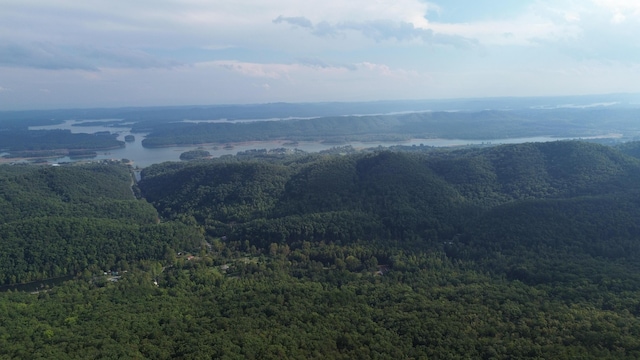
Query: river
pixel 143 157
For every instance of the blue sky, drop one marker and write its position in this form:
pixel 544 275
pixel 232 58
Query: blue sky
pixel 112 53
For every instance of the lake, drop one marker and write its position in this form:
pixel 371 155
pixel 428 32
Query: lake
pixel 143 157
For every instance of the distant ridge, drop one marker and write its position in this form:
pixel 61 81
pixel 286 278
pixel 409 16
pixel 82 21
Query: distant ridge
pixel 316 109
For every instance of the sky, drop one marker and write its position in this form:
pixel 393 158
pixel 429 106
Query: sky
pixel 116 53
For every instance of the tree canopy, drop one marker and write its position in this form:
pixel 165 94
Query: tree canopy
pixel 513 251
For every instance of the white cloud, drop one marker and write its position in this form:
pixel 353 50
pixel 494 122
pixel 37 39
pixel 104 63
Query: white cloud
pixel 379 30
pixel 601 30
pixel 270 71
pixel 540 22
pixel 620 10
pixel 293 71
pixel 319 63
pixel 178 23
pixel 387 71
pixel 334 11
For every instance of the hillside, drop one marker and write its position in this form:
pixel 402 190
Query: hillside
pixel 513 251
pixel 496 124
pixel 403 195
pixel 59 221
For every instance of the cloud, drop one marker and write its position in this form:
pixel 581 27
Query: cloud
pixel 297 21
pixel 380 30
pixel 620 10
pixel 526 30
pixel 602 31
pixel 265 86
pixel 3 89
pixel 385 29
pixel 123 58
pixel 40 56
pixel 315 62
pixel 269 71
pixel 56 57
pixel 325 29
pixel 387 71
pixel 311 67
pixel 281 71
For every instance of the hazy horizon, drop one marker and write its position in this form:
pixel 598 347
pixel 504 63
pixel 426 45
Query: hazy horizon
pixel 383 106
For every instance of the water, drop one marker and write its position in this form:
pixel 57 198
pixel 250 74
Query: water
pixel 143 157
pixel 214 121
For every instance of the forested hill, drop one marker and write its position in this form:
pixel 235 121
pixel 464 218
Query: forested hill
pixel 495 124
pixel 59 221
pixel 383 195
pixel 523 251
pixel 535 202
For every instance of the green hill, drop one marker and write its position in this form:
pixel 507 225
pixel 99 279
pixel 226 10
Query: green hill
pixel 59 221
pixel 406 196
pixel 509 252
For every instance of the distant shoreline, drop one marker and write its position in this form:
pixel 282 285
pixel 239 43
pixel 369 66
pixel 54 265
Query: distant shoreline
pixel 62 153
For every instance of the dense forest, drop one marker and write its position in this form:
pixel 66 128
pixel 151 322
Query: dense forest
pixel 505 252
pixel 58 221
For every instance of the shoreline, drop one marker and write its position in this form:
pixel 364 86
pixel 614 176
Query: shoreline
pixel 287 143
pixel 62 153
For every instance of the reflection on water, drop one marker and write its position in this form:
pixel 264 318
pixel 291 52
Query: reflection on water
pixel 143 157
